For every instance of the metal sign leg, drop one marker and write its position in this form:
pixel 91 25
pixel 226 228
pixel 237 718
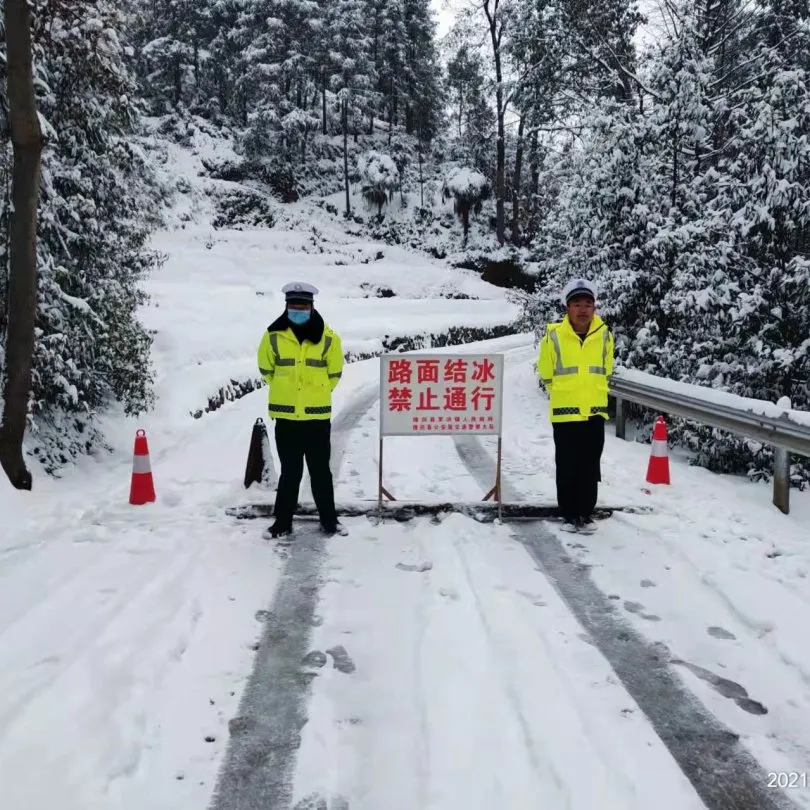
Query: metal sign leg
pixel 381 490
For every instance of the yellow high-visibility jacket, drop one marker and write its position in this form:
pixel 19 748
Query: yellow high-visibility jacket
pixel 575 371
pixel 300 376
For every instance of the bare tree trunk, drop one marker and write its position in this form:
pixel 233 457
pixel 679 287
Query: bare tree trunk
pixel 345 117
pixel 516 182
pixel 323 100
pixel 177 77
pixel 496 35
pixel 421 175
pixel 534 184
pixel 534 165
pixel 392 111
pixel 26 138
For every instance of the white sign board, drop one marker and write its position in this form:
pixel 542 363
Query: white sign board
pixel 450 394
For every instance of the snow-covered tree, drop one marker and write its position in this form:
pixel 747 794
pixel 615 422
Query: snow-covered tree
pixel 690 210
pixel 468 189
pixel 379 178
pixel 472 120
pixel 91 351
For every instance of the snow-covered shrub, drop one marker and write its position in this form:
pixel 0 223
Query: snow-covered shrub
pixel 468 189
pixel 241 206
pixel 379 178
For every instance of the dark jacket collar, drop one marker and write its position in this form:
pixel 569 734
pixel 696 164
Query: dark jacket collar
pixel 312 330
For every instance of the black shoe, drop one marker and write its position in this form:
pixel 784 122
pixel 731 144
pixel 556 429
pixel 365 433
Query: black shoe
pixel 334 528
pixel 278 530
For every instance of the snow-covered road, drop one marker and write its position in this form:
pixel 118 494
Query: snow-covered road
pixel 168 658
pixel 498 665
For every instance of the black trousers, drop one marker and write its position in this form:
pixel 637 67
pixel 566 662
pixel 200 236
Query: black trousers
pixel 296 441
pixel 578 455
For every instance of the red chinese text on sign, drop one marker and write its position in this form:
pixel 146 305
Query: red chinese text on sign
pixel 400 371
pixel 399 399
pixel 455 371
pixel 427 392
pixel 483 371
pixel 428 400
pixel 486 394
pixel 455 399
pixel 427 371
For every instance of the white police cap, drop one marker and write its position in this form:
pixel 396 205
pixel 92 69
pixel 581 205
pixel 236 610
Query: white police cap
pixel 299 291
pixel 578 286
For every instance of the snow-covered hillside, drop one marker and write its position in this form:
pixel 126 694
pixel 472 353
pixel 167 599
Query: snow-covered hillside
pixel 464 669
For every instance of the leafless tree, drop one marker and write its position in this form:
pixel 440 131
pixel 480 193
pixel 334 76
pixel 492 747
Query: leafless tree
pixel 27 141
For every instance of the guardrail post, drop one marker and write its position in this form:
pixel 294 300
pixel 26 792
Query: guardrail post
pixel 781 471
pixel 621 418
pixel 781 480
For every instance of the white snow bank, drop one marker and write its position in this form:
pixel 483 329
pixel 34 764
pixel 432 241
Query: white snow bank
pixel 713 396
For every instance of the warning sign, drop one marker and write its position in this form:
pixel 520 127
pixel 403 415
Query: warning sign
pixel 426 394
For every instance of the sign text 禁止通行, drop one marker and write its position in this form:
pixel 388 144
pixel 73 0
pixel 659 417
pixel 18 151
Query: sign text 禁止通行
pixel 441 393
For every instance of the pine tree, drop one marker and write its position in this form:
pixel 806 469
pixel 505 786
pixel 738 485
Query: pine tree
pixel 424 89
pixel 472 120
pixel 91 351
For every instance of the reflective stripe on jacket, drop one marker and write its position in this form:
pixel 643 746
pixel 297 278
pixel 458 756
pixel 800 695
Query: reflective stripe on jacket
pixel 576 372
pixel 300 376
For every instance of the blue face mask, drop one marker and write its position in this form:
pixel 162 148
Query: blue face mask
pixel 298 316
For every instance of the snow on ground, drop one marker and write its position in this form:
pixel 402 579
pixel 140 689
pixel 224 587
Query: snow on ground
pixel 473 658
pixel 474 686
pixel 127 634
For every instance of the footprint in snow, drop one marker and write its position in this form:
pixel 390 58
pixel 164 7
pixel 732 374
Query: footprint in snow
pixel 419 568
pixel 637 608
pixel 535 598
pixel 314 659
pixel 719 632
pixel 342 660
pixel 727 688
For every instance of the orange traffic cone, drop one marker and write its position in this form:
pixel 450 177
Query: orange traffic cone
pixel 658 468
pixel 142 489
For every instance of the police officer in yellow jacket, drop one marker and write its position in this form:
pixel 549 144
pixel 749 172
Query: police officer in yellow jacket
pixel 301 360
pixel 575 362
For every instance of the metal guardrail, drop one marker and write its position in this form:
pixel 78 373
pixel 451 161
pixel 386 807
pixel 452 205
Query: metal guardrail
pixel 784 435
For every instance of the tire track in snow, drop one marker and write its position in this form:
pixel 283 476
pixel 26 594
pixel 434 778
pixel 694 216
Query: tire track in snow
pixel 541 765
pixel 257 772
pixel 724 774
